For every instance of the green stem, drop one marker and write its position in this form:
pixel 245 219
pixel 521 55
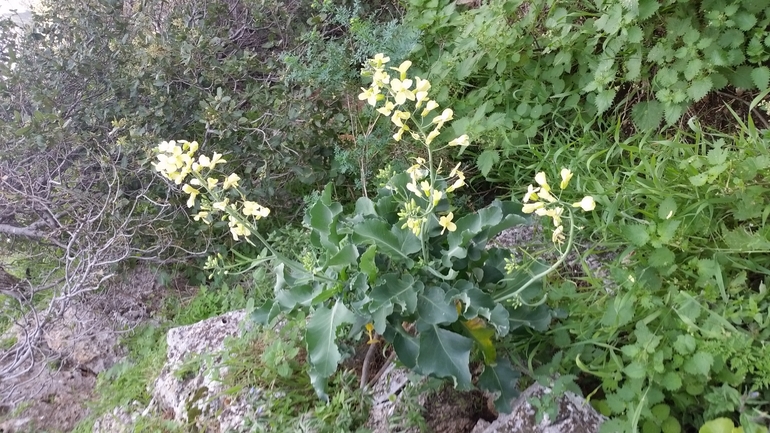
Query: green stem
pixel 553 267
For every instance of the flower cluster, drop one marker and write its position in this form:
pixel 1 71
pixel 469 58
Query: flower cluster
pixel 177 162
pixel 423 122
pixel 395 91
pixel 541 201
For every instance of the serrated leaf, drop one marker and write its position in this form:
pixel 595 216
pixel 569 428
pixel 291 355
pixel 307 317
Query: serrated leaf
pixel 699 88
pixel 699 179
pixel 692 69
pixel 661 258
pixel 635 370
pixel 671 381
pixel 700 363
pixel 486 160
pixel 761 77
pixel 633 67
pixel 667 208
pixel 685 344
pixel 647 115
pixel 321 338
pixel 397 245
pixel 477 329
pixel 434 308
pixel 672 113
pixel 446 354
pixel 636 234
pixel 604 99
pixel 744 20
pixel 501 378
pixel 647 8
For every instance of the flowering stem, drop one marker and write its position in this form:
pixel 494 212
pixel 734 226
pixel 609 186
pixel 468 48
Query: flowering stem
pixel 562 258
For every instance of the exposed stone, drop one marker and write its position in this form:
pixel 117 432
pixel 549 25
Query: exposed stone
pixel 120 420
pixel 575 416
pixel 445 410
pixel 198 396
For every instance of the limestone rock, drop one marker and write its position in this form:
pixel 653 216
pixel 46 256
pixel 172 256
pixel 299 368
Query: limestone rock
pixel 120 420
pixel 575 416
pixel 199 397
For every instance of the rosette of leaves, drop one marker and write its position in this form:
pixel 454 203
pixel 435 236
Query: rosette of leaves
pixel 433 297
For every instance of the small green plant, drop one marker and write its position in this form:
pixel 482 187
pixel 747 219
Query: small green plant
pixel 400 267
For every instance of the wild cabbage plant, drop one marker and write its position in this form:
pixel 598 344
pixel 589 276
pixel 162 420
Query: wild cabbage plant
pixel 400 267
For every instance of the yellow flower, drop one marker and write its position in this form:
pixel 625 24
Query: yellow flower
pixel 379 60
pixel 531 207
pixel 555 213
pixel 566 175
pixel 386 109
pixel 370 331
pixel 446 223
pixel 220 205
pixel 251 208
pixel 545 194
pixel 397 135
pixel 402 69
pixel 202 215
pixel 426 188
pixel 442 118
pixel 237 229
pixel 398 118
pixel 433 134
pixel 369 95
pixel 456 171
pixel 421 90
pixel 380 78
pixel 211 182
pixel 460 141
pixel 231 181
pixel 436 197
pixel 541 180
pixel 531 194
pixel 558 235
pixel 400 90
pixel 167 146
pixel 457 184
pixel 430 106
pixel 413 187
pixel 587 204
pixel 193 193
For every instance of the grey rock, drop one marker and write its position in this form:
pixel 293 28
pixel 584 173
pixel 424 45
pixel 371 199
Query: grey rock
pixel 199 398
pixel 575 415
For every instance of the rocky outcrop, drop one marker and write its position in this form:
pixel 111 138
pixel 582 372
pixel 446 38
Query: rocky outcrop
pixel 575 415
pixel 196 396
pixel 449 411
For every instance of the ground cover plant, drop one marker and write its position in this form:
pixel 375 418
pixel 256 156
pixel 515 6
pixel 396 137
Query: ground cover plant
pixel 655 109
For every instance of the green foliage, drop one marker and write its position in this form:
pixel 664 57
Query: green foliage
pixel 270 364
pixel 681 327
pixel 514 70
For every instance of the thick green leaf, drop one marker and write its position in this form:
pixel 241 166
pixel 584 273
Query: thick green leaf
pixel 367 264
pixel 501 378
pixel 407 348
pixel 394 289
pixel 322 218
pixel 398 245
pixel 345 257
pixel 321 337
pixel 434 309
pixel 364 206
pixel 445 353
pixel 478 330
